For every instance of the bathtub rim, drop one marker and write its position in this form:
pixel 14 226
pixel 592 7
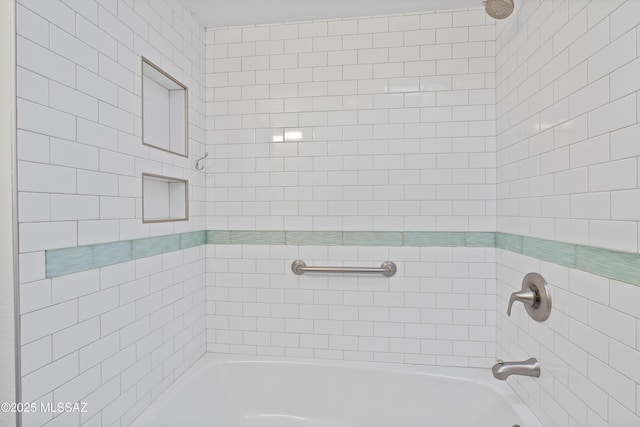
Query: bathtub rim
pixel 478 376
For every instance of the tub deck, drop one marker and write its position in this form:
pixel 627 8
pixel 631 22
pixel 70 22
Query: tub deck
pixel 240 391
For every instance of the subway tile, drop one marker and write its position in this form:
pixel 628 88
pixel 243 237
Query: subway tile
pixel 90 33
pixel 75 337
pixel 49 377
pixel 40 236
pixel 35 295
pixel 601 176
pixel 32 25
pixel 36 355
pixel 592 41
pixel 32 86
pixel 99 231
pixel 315 29
pixel 613 116
pixel 39 177
pixel 613 56
pixel 588 392
pixel 612 323
pixel 619 415
pixel 115 73
pixel 70 207
pixel 590 97
pixel 622 145
pixel 51 319
pixel 616 235
pixel 622 296
pixel 79 387
pixel 35 207
pixel 97 303
pixel 33 147
pixel 442 19
pixel 373 56
pixel 72 286
pixel 284 31
pixel 618 386
pixel 373 25
pixel 38 118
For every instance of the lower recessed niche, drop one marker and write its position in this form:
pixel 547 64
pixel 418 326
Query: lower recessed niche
pixel 164 198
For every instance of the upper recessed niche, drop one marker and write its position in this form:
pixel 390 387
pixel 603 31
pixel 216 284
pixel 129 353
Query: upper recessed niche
pixel 164 110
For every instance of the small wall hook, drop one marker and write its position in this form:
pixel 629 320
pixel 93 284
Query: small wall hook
pixel 198 165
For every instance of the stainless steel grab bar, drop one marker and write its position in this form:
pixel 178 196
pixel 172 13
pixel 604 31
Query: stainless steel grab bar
pixel 387 269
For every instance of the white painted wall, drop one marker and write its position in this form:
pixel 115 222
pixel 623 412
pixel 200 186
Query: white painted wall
pixel 7 342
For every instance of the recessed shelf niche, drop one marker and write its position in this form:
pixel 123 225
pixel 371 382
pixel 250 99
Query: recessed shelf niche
pixel 164 198
pixel 164 110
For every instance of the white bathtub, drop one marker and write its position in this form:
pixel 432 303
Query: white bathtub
pixel 259 392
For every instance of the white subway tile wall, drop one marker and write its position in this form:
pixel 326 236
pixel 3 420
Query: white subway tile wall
pixel 384 123
pixel 424 121
pixel 567 123
pixel 439 309
pixel 117 336
pixel 125 332
pixel 567 151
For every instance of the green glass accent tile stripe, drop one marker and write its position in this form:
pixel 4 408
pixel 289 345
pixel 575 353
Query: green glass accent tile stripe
pixel 68 260
pixel 314 238
pixel 218 237
pixel 193 239
pixel 480 239
pixel 111 253
pixel 616 265
pixel 550 250
pixel 622 266
pixel 72 260
pixel 257 237
pixel 150 246
pixel 434 238
pixel 372 238
pixel 510 242
pixel 60 262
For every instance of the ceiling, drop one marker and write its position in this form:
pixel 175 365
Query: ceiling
pixel 223 13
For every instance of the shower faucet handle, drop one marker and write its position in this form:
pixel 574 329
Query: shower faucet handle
pixel 535 297
pixel 526 296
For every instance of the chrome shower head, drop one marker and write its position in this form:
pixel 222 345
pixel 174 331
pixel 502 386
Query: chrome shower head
pixel 498 9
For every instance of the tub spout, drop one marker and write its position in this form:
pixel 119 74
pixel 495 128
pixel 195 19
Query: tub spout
pixel 529 368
